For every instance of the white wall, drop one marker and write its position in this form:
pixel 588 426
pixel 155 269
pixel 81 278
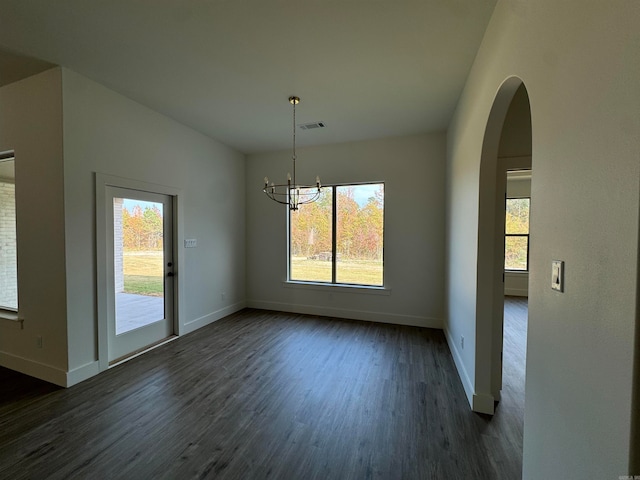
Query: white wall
pixel 31 124
pixel 580 66
pixel 108 133
pixel 515 138
pixel 519 187
pixel 413 171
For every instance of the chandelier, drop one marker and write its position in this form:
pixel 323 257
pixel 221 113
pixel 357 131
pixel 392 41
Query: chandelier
pixel 291 193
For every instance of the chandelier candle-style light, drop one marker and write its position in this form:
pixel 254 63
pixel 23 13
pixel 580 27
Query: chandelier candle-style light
pixel 291 193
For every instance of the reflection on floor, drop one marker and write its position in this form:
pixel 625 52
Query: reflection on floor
pixel 135 311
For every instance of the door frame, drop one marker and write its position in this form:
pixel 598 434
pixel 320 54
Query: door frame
pixel 102 181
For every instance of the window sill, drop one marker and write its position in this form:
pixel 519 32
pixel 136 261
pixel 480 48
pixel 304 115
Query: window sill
pixel 517 272
pixel 338 287
pixel 10 319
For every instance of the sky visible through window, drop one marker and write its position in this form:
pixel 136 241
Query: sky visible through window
pixel 130 204
pixel 362 194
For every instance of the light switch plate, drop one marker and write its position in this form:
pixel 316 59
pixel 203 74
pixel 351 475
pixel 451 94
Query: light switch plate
pixel 190 243
pixel 557 275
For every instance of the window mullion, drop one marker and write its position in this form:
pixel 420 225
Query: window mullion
pixel 288 243
pixel 334 233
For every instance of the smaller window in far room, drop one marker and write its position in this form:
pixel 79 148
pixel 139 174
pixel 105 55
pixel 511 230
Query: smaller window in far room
pixel 516 244
pixel 8 241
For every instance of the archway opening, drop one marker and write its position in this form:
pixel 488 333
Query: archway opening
pixel 507 153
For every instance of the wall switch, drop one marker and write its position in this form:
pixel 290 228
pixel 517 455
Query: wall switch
pixel 557 275
pixel 190 242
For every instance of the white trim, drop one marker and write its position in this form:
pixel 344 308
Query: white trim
pixel 101 271
pixel 193 325
pixel 511 276
pixel 467 384
pixel 11 319
pixel 82 373
pixel 379 317
pixel 178 265
pixel 34 369
pixel 337 287
pixel 479 402
pixel 483 403
pixel 102 181
pixel 145 350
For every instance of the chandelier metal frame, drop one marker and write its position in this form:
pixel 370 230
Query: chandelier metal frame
pixel 291 193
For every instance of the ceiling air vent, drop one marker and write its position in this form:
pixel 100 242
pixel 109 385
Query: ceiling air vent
pixel 311 126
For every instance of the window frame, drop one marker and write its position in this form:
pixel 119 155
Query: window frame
pixel 334 232
pixel 518 235
pixel 8 312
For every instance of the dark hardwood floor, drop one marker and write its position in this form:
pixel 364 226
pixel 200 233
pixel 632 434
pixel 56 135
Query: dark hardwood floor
pixel 265 395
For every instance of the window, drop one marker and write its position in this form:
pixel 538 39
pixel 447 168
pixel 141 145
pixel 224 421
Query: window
pixel 339 238
pixel 8 257
pixel 516 242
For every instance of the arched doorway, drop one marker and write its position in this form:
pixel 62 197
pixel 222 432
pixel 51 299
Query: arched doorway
pixel 506 146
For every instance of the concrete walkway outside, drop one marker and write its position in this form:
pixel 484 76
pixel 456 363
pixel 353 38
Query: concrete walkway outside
pixel 135 311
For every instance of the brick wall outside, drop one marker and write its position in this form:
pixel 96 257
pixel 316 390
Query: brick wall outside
pixel 8 256
pixel 118 245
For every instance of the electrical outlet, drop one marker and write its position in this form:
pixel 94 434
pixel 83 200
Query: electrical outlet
pixel 190 242
pixel 461 342
pixel 223 295
pixel 39 342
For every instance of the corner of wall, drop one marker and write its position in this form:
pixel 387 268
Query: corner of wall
pixel 462 371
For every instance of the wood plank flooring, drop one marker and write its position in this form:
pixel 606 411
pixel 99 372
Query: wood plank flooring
pixel 264 395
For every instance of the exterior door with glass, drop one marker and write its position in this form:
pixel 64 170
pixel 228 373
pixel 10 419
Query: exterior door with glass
pixel 140 270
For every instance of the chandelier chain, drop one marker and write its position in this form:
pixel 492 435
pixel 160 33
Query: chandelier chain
pixel 294 141
pixel 290 193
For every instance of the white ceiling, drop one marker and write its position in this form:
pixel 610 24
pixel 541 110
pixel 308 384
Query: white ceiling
pixel 367 68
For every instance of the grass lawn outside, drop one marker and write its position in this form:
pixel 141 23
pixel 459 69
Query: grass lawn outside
pixel 143 285
pixel 144 273
pixel 359 272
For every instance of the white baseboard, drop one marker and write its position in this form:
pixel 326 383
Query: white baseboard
pixel 483 403
pixel 462 372
pixel 82 373
pixel 194 325
pixel 396 319
pixel 479 402
pixel 35 369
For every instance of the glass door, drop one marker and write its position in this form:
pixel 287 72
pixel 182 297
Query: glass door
pixel 140 294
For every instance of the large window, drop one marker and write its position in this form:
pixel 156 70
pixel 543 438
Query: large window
pixel 339 238
pixel 516 242
pixel 8 244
